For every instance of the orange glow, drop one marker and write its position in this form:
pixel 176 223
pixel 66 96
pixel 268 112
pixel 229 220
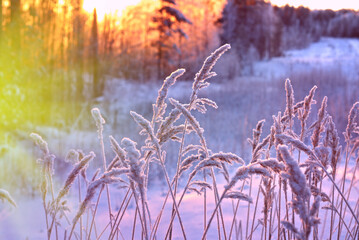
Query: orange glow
pixel 104 7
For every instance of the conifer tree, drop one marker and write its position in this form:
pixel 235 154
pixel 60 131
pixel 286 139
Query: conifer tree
pixel 167 23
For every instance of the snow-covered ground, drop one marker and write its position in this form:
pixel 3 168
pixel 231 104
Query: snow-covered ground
pixel 225 128
pixel 329 53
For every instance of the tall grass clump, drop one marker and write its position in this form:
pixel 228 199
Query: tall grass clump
pixel 292 187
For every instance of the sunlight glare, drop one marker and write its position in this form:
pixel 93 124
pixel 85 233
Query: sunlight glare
pixel 107 6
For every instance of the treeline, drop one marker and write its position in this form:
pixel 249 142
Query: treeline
pixel 56 57
pixel 157 40
pixel 49 62
pixel 258 30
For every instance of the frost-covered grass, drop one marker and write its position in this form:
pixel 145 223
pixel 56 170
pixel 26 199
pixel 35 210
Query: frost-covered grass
pixel 179 181
pixel 289 186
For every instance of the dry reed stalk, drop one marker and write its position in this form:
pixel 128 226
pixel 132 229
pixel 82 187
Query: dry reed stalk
pixel 199 104
pixel 73 156
pixel 331 140
pixel 301 193
pixel 350 130
pixel 290 102
pixel 235 214
pixel 129 157
pixel 257 150
pixel 100 121
pixel 160 106
pixel 91 190
pixel 136 174
pixel 319 124
pixel 194 123
pixel 205 72
pixel 352 183
pixel 47 165
pixel 153 143
pixel 199 83
pixel 72 176
pixel 303 116
pixel 255 210
pixel 268 193
pixel 117 218
pixel 216 160
pixel 241 174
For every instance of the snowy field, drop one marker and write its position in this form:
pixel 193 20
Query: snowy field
pixel 242 102
pixel 329 53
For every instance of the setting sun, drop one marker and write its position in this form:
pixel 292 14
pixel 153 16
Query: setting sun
pixel 107 6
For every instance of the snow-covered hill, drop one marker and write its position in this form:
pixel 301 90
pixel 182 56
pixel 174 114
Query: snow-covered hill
pixel 329 53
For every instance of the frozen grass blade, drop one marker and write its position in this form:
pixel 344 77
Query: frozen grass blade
pixel 323 152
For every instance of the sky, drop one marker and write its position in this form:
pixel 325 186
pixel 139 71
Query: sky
pixel 112 6
pixel 107 6
pixel 320 4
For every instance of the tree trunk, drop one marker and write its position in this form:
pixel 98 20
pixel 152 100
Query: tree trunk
pixel 98 84
pixel 78 51
pixel 15 23
pixel 1 30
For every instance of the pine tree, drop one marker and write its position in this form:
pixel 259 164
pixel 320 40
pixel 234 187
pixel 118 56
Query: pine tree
pixel 252 28
pixel 167 23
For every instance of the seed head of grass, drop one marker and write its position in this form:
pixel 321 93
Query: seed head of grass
pixel 91 190
pixel 118 150
pixel 146 125
pixel 285 138
pixel 297 179
pixel 290 98
pixel 5 195
pixel 162 93
pixel 308 101
pixel 99 120
pixel 352 122
pixel 272 164
pixel 289 226
pixel 238 195
pixel 41 143
pixel 205 72
pixel 229 158
pixel 73 174
pixel 72 157
pixel 243 173
pixel 191 119
pixel 319 125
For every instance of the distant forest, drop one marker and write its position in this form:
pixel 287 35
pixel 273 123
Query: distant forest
pixel 258 30
pixel 56 58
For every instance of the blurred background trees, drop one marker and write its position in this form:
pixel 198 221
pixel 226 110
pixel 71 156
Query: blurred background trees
pixel 56 57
